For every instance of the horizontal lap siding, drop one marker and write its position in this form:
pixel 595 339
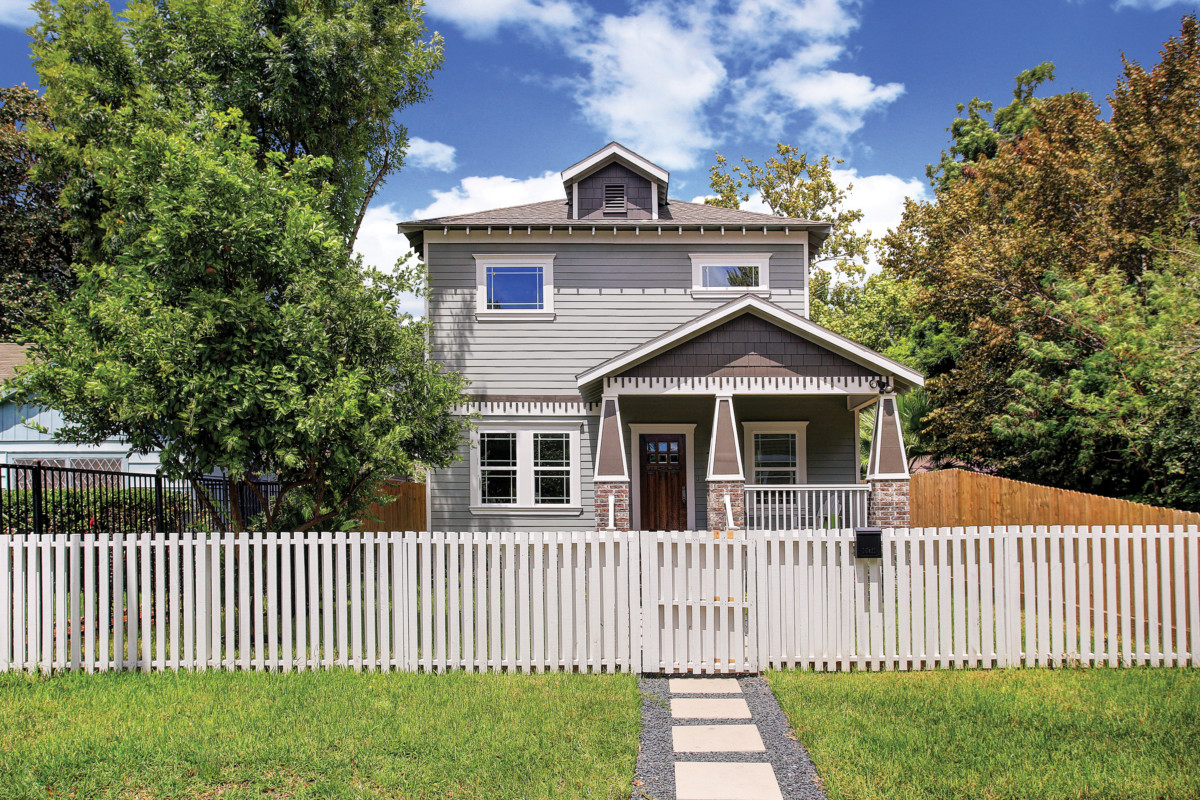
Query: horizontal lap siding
pixel 607 300
pixel 450 494
pixel 831 435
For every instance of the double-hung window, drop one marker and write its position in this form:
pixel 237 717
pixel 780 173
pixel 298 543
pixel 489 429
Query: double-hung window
pixel 525 467
pixel 511 286
pixel 728 275
pixel 775 453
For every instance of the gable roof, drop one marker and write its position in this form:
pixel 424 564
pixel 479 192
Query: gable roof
pixel 615 152
pixel 781 317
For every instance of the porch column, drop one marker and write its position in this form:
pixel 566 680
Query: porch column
pixel 887 470
pixel 726 478
pixel 610 490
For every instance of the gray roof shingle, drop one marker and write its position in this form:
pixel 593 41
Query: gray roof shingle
pixel 555 212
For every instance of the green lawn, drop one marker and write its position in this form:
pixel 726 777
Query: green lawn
pixel 1033 733
pixel 330 734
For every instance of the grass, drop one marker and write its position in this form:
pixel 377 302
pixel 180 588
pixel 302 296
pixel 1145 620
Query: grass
pixel 334 734
pixel 1078 734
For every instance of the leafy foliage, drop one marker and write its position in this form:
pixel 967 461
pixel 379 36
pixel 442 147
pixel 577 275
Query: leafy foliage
pixel 35 254
pixel 310 78
pixel 220 316
pixel 977 138
pixel 1041 268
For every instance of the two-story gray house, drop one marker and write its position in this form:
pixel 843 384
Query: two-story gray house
pixel 638 362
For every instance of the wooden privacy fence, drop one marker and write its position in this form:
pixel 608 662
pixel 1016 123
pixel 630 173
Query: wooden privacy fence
pixel 957 497
pixel 403 508
pixel 611 601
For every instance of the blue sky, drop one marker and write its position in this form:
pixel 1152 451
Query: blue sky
pixel 531 86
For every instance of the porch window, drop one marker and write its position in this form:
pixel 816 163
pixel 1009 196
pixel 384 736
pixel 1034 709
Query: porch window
pixel 527 468
pixel 514 286
pixel 775 453
pixel 730 275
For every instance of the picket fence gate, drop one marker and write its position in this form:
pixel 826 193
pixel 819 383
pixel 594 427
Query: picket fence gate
pixel 700 602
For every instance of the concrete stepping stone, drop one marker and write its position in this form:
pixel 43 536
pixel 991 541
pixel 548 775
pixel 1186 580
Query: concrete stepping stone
pixel 709 708
pixel 717 739
pixel 704 686
pixel 727 780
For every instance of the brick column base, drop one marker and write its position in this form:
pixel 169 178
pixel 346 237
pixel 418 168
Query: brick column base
pixel 716 504
pixel 619 492
pixel 888 504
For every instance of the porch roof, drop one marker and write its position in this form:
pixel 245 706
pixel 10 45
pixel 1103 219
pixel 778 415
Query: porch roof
pixel 844 358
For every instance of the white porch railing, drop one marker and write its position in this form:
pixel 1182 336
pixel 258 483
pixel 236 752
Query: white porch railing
pixel 784 508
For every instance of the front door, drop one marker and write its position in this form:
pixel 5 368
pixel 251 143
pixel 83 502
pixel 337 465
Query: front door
pixel 663 482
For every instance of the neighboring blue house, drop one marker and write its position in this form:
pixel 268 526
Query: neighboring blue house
pixel 21 443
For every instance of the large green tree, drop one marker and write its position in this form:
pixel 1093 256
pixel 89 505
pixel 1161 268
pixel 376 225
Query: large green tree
pixel 220 316
pixel 35 252
pixel 310 77
pixel 1071 205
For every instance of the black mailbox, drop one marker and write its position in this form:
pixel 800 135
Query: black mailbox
pixel 868 543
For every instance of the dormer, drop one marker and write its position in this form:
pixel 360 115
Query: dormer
pixel 615 183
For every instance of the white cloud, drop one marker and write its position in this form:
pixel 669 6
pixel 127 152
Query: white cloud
pixel 381 246
pixel 497 191
pixel 1151 5
pixel 669 76
pixel 837 102
pixel 482 18
pixel 880 197
pixel 17 13
pixel 424 154
pixel 649 80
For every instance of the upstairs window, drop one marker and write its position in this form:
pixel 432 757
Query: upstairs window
pixel 728 275
pixel 514 286
pixel 614 198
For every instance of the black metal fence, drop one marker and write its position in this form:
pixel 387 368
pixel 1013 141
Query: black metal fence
pixel 38 498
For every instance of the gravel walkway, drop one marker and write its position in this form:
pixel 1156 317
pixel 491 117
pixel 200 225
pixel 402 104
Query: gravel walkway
pixel 657 758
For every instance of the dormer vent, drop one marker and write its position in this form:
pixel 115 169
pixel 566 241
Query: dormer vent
pixel 614 198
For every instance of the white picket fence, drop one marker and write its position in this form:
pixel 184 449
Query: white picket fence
pixel 611 601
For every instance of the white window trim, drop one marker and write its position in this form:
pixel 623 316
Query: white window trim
pixel 543 260
pixel 689 442
pixel 525 504
pixel 798 427
pixel 702 260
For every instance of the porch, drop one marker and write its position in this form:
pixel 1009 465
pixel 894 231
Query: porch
pixel 753 462
pixel 759 408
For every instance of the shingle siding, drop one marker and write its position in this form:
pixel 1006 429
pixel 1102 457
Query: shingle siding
pixel 747 347
pixel 637 194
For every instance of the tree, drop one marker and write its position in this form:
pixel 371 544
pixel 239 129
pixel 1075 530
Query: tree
pixel 976 138
pixel 220 316
pixel 316 78
pixel 35 254
pixel 792 185
pixel 1073 204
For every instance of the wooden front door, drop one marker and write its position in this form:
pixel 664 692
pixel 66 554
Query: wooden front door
pixel 663 481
